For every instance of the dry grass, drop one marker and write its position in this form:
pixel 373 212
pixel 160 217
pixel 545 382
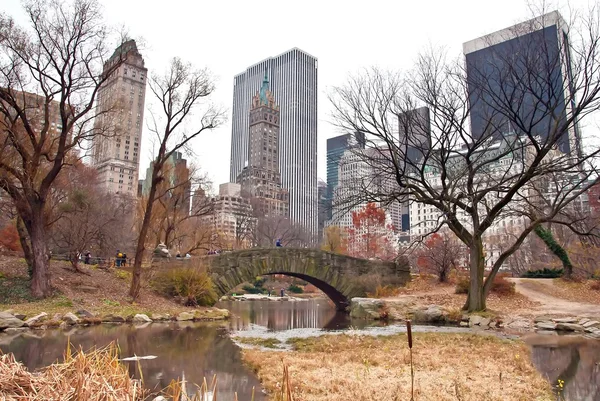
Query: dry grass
pixel 177 391
pixel 573 291
pixel 447 366
pixel 98 291
pixel 92 376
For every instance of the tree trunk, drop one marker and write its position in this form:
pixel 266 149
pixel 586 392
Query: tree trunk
pixel 476 297
pixel 136 280
pixel 24 239
pixel 40 280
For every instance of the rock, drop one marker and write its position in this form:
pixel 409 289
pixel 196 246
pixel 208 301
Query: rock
pixel 110 318
pixel 519 324
pixel 9 311
pixel 546 326
pixel 366 308
pixel 63 325
pixel 36 319
pixel 485 322
pixel 542 318
pixel 185 316
pixel 20 316
pixel 431 314
pixel 84 313
pixel 565 320
pixel 583 321
pixel 57 317
pixel 158 317
pixel 15 329
pixel 70 318
pixel 569 327
pixel 547 332
pixel 141 318
pixel 159 398
pixel 591 323
pixel 464 324
pixel 475 320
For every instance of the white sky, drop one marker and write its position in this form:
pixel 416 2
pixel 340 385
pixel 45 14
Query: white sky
pixel 228 36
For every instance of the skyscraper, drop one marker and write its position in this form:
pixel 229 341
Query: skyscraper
pixel 119 121
pixel 528 67
pixel 260 179
pixel 336 147
pixel 293 82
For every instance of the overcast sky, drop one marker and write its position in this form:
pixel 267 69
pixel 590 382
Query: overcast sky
pixel 345 36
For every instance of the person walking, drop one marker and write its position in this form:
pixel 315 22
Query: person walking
pixel 282 292
pixel 118 258
pixel 87 258
pixel 278 243
pixel 124 260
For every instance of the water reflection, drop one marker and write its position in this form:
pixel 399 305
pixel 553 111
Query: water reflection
pixel 282 315
pixel 197 350
pixel 574 360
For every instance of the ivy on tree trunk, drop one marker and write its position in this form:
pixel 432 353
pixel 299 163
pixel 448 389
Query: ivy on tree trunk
pixel 560 252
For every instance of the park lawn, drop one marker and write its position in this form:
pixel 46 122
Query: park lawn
pixel 447 367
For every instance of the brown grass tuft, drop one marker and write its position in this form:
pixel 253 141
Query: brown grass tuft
pixel 95 375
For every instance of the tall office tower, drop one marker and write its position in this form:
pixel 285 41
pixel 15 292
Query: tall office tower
pixel 535 52
pixel 260 179
pixel 116 152
pixel 336 147
pixel 293 76
pixel 414 127
pixel 324 207
pixel 177 172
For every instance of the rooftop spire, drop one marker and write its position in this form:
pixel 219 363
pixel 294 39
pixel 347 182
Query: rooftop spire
pixel 263 90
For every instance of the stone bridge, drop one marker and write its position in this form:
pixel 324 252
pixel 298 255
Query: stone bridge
pixel 340 277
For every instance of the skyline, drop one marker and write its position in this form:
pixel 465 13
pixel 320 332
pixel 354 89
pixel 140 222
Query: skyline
pixel 344 40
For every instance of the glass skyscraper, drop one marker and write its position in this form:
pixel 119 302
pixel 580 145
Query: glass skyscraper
pixel 293 81
pixel 526 66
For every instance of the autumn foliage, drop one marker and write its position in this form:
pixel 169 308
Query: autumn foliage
pixel 438 255
pixel 335 240
pixel 9 237
pixel 370 236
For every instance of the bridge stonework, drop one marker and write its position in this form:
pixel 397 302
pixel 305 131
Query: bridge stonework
pixel 340 277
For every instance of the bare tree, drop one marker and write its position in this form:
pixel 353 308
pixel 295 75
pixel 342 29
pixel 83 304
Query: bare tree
pixel 270 229
pixel 501 141
pixel 49 79
pixel 178 92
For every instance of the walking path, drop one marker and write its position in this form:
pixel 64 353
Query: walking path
pixel 549 304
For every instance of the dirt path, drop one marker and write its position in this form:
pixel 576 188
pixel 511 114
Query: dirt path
pixel 549 304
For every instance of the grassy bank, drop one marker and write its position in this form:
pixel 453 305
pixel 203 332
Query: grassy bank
pixel 96 290
pixel 447 367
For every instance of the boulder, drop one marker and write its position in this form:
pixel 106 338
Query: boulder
pixel 185 316
pixel 15 329
pixel 591 323
pixel 366 308
pixel 565 320
pixel 546 326
pixel 57 317
pixel 63 325
pixel 475 320
pixel 84 313
pixel 583 321
pixel 158 317
pixel 36 319
pixel 569 327
pixel 141 318
pixel 110 318
pixel 542 318
pixel 430 314
pixel 519 324
pixel 464 324
pixel 10 312
pixel 70 318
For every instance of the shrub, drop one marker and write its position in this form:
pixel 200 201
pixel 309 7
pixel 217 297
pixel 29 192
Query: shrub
pixel 189 286
pixel 123 274
pixel 385 291
pixel 295 289
pixel 596 285
pixel 500 286
pixel 250 289
pixel 543 273
pixel 260 281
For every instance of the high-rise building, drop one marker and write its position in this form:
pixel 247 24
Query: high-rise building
pixel 293 81
pixel 231 218
pixel 535 50
pixel 415 133
pixel 260 179
pixel 119 122
pixel 178 180
pixel 336 147
pixel 324 207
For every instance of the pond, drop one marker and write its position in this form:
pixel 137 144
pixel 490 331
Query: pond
pixel 199 350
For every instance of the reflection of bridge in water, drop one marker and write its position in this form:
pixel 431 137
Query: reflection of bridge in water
pixel 277 316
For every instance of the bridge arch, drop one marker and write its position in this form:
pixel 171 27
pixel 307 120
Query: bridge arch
pixel 340 277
